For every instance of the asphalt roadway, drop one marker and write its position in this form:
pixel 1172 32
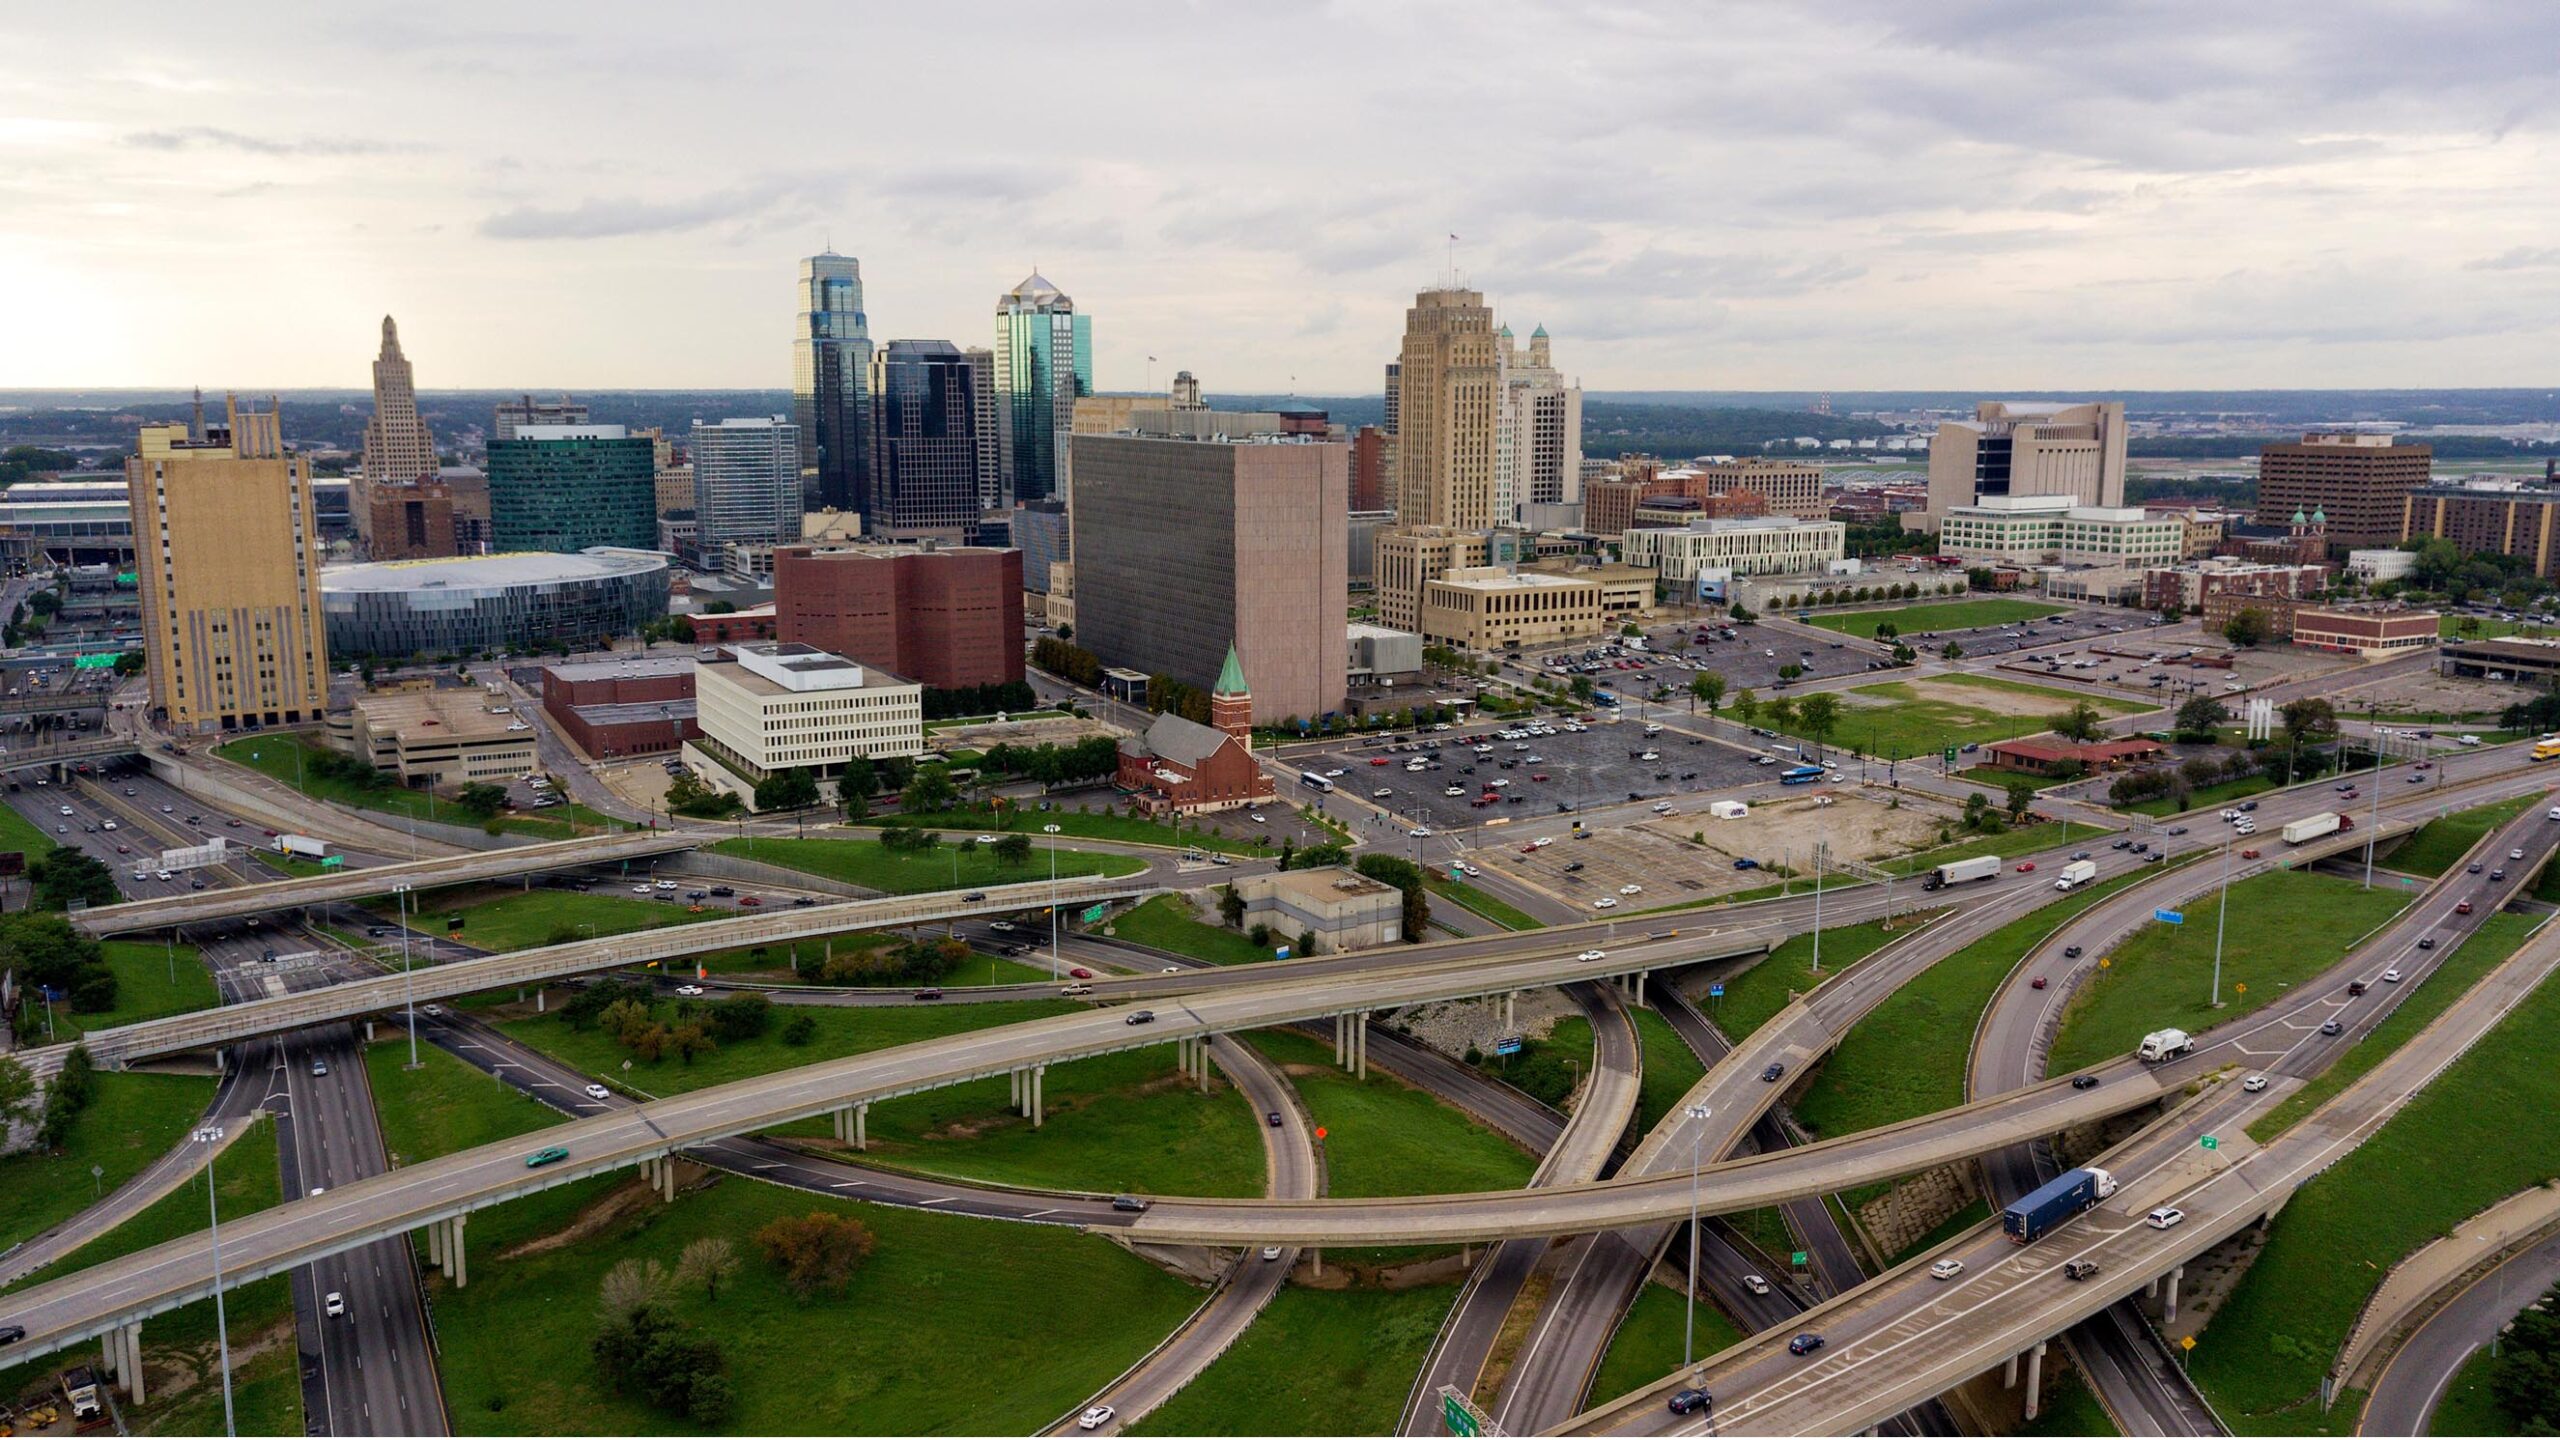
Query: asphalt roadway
pixel 2404 1397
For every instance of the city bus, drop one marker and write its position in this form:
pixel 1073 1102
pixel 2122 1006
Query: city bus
pixel 1313 781
pixel 1801 775
pixel 2547 748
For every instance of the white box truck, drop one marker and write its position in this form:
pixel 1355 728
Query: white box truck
pixel 2162 1045
pixel 2311 827
pixel 1957 872
pixel 2076 874
pixel 303 845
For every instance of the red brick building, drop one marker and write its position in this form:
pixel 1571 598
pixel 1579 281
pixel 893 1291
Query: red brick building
pixel 735 626
pixel 611 708
pixel 1183 767
pixel 1368 468
pixel 947 617
pixel 2050 757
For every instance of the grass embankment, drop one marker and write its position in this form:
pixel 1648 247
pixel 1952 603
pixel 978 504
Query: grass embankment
pixel 134 1120
pixel 1647 1346
pixel 2486 1129
pixel 1170 922
pixel 1385 1137
pixel 151 981
pixel 2283 928
pixel 866 863
pixel 180 1349
pixel 1315 1362
pixel 1130 829
pixel 1756 994
pixel 1908 1056
pixel 1940 616
pixel 2070 1408
pixel 897 1347
pixel 23 835
pixel 1670 1068
pixel 1483 902
pixel 1112 1122
pixel 2211 797
pixel 2498 937
pixel 523 919
pixel 1898 718
pixel 290 760
pixel 444 1105
pixel 2441 842
pixel 2011 843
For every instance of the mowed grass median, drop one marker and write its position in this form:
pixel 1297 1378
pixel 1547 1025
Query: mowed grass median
pixel 1941 616
pixel 2443 841
pixel 1315 1362
pixel 1921 717
pixel 134 1120
pixel 871 865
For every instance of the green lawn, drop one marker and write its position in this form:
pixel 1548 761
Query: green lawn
pixel 1892 717
pixel 134 1120
pixel 522 919
pixel 865 863
pixel 1131 829
pixel 274 756
pixel 2021 841
pixel 444 1105
pixel 841 1031
pixel 2482 628
pixel 2444 840
pixel 2284 927
pixel 2498 937
pixel 1941 616
pixel 898 1354
pixel 1315 1362
pixel 1760 992
pixel 1908 1056
pixel 23 835
pixel 2070 1408
pixel 2467 1407
pixel 1387 1138
pixel 148 985
pixel 1169 922
pixel 1670 1068
pixel 2211 797
pixel 1483 902
pixel 2486 1129
pixel 1648 1345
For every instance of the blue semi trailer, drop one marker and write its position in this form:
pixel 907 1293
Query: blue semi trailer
pixel 2055 1201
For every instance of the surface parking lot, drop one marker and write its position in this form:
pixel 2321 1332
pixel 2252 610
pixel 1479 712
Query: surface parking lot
pixel 1583 771
pixel 2078 623
pixel 1749 661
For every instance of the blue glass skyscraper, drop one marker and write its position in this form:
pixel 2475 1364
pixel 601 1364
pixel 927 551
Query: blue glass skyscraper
pixel 830 383
pixel 1044 360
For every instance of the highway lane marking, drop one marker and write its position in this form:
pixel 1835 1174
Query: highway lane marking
pixel 1036 1214
pixel 938 1200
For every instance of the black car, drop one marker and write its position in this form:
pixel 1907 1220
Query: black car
pixel 1272 1119
pixel 2070 952
pixel 2426 942
pixel 930 992
pixel 1140 1017
pixel 1804 1344
pixel 2084 1082
pixel 802 900
pixel 722 890
pixel 1774 1073
pixel 12 1334
pixel 1688 1402
pixel 975 895
pixel 2121 845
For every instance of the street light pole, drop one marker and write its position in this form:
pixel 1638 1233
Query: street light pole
pixel 1697 1145
pixel 2221 915
pixel 211 1135
pixel 1054 965
pixel 408 991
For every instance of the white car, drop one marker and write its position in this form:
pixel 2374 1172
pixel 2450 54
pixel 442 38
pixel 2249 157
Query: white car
pixel 1605 902
pixel 1255 817
pixel 1630 889
pixel 598 1092
pixel 1662 807
pixel 667 885
pixel 1095 1418
pixel 1382 793
pixel 1335 774
pixel 639 889
pixel 1469 871
pixel 1419 832
pixel 990 839
pixel 335 1305
pixel 1592 955
pixel 1543 841
pixel 164 875
pixel 2254 1084
pixel 1755 1284
pixel 1270 1252
pixel 688 990
pixel 2164 1217
pixel 1453 790
pixel 107 825
pixel 1946 1270
pixel 2391 976
pixel 64 810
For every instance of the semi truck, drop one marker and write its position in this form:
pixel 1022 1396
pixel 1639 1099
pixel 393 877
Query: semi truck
pixel 2162 1045
pixel 1956 872
pixel 2312 827
pixel 302 845
pixel 2076 874
pixel 2055 1201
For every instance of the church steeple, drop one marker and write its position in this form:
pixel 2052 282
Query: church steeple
pixel 1231 702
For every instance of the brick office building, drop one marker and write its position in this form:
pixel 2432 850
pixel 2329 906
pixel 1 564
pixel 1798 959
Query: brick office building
pixel 611 708
pixel 948 617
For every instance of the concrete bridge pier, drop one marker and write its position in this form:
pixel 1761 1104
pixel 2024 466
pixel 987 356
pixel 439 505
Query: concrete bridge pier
pixel 2035 1377
pixel 120 1355
pixel 1013 1089
pixel 435 1237
pixel 1342 1040
pixel 1511 1013
pixel 2009 1373
pixel 2169 1305
pixel 456 1267
pixel 1039 1084
pixel 1360 1043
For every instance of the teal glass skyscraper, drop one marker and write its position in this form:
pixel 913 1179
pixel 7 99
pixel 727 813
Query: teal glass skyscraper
pixel 565 487
pixel 831 383
pixel 1044 360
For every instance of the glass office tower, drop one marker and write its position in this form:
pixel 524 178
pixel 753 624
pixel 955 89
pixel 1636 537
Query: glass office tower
pixel 1044 360
pixel 925 416
pixel 830 383
pixel 568 487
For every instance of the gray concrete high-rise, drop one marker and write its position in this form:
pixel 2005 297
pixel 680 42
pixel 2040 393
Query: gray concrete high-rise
pixel 830 382
pixel 746 482
pixel 525 410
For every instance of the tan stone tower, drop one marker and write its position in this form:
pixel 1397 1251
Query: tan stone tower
pixel 397 447
pixel 1448 393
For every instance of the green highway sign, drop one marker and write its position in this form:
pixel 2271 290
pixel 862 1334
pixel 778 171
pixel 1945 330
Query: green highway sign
pixel 1460 1414
pixel 2211 1142
pixel 1800 1259
pixel 1096 912
pixel 1951 755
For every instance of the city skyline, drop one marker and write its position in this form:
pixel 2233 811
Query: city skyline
pixel 1854 199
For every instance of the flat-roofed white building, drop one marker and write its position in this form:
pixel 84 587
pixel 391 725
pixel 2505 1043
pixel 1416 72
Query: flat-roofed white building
pixel 1757 545
pixel 2053 530
pixel 771 706
pixel 437 737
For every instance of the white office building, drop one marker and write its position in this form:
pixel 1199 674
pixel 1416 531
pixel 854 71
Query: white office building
pixel 1757 545
pixel 771 706
pixel 2054 530
pixel 746 482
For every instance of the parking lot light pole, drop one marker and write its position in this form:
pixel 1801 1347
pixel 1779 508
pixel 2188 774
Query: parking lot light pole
pixel 1697 1145
pixel 1052 831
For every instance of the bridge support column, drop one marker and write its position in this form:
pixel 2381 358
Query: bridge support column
pixel 1360 1041
pixel 667 1176
pixel 435 1235
pixel 457 1266
pixel 540 994
pixel 368 1032
pixel 1511 1012
pixel 2169 1306
pixel 1641 977
pixel 862 1126
pixel 2009 1373
pixel 1341 1040
pixel 1200 1055
pixel 1013 1088
pixel 1039 1083
pixel 2035 1377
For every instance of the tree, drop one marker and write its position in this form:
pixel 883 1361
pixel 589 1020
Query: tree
pixel 630 1287
pixel 1230 907
pixel 1818 715
pixel 2083 723
pixel 687 795
pixel 690 1039
pixel 1407 877
pixel 1782 713
pixel 482 798
pixel 2247 628
pixel 67 875
pixel 790 789
pixel 2198 717
pixel 800 1029
pixel 707 1262
pixel 1977 809
pixel 817 1252
pixel 930 792
pixel 1886 629
pixel 2022 798
pixel 1952 651
pixel 1706 688
pixel 741 1017
pixel 1791 671
pixel 20 1098
pixel 1747 705
pixel 1013 848
pixel 856 784
pixel 2308 720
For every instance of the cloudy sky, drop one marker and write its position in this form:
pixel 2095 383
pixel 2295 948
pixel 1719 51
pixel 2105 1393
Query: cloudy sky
pixel 1966 193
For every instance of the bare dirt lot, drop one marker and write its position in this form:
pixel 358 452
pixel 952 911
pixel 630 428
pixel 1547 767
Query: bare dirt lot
pixel 1667 868
pixel 2427 693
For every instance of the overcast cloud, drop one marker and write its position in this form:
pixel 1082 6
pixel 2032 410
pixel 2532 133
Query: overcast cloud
pixel 1861 194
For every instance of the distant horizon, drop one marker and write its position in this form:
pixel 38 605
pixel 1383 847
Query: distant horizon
pixel 8 394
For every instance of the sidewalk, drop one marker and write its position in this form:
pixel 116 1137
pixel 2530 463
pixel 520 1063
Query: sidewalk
pixel 2417 1279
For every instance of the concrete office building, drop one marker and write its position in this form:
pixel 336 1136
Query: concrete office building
pixel 2357 481
pixel 1770 545
pixel 1369 450
pixel 2052 530
pixel 524 410
pixel 1361 563
pixel 746 481
pixel 674 487
pixel 1486 607
pixel 1341 909
pixel 1044 361
pixel 1185 547
pixel 1609 506
pixel 468 485
pixel 230 576
pixel 432 738
pixel 405 610
pixel 1537 453
pixel 1380 656
pixel 1448 397
pixel 397 447
pixel 411 521
pixel 565 488
pixel 773 706
pixel 926 451
pixel 1040 532
pixel 2371 632
pixel 947 617
pixel 1405 559
pixel 2522 521
pixel 830 383
pixel 2014 448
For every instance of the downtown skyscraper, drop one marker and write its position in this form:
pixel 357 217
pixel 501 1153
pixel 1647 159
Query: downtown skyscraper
pixel 830 383
pixel 398 450
pixel 1448 394
pixel 746 482
pixel 928 413
pixel 1044 360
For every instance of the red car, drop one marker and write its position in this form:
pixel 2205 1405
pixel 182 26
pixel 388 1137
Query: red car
pixel 1528 849
pixel 2462 909
pixel 2027 868
pixel 750 899
pixel 1080 973
pixel 1538 777
pixel 1377 759
pixel 2036 984
pixel 2248 854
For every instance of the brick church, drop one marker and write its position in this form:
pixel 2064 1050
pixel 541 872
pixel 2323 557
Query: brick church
pixel 1182 767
